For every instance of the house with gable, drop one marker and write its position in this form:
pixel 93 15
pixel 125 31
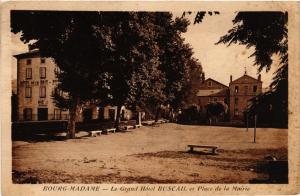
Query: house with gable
pixel 210 91
pixel 236 97
pixel 242 90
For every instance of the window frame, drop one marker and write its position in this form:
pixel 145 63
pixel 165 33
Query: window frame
pixel 43 60
pixel 209 83
pixel 236 89
pixel 57 113
pixel 45 75
pixel 246 88
pixel 28 61
pixel 26 92
pixel 254 89
pixel 27 114
pixel 27 75
pixel 42 95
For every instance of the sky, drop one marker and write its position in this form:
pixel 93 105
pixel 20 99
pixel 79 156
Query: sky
pixel 218 61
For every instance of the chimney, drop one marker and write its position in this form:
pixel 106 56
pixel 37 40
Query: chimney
pixel 230 78
pixel 259 77
pixel 203 77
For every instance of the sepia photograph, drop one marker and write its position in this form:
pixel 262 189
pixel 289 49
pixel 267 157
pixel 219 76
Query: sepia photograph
pixel 150 97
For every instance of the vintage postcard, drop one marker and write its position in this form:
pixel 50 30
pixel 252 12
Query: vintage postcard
pixel 150 98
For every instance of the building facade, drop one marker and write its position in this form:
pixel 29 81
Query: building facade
pixel 211 91
pixel 236 97
pixel 242 90
pixel 36 81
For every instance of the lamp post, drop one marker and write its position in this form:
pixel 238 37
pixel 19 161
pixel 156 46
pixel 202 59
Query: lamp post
pixel 247 122
pixel 255 121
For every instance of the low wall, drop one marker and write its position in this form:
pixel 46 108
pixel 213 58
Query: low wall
pixel 55 127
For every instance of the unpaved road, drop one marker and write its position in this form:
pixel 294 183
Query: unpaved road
pixel 149 155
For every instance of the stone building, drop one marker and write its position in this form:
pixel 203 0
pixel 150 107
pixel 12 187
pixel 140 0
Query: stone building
pixel 211 91
pixel 36 81
pixel 241 91
pixel 236 97
pixel 14 86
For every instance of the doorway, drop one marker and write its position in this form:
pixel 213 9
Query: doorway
pixel 42 113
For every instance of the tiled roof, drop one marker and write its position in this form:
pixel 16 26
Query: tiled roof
pixel 211 92
pixel 243 78
pixel 216 82
pixel 27 54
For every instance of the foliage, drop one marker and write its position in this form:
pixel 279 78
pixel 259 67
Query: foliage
pixel 182 71
pixel 137 59
pixel 215 108
pixel 267 32
pixel 200 15
pixel 150 64
pixel 69 39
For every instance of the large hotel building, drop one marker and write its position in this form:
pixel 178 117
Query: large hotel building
pixel 36 81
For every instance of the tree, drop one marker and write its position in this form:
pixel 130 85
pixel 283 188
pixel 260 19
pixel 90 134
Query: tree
pixel 132 60
pixel 121 58
pixel 181 70
pixel 267 33
pixel 69 39
pixel 215 109
pixel 149 64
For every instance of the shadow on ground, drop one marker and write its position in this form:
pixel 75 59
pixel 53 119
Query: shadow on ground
pixel 43 138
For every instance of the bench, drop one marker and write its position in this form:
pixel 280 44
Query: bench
pixel 160 121
pixel 155 124
pixel 148 123
pixel 137 126
pixel 213 148
pixel 95 133
pixel 129 127
pixel 110 130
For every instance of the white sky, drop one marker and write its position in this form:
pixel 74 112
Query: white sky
pixel 218 61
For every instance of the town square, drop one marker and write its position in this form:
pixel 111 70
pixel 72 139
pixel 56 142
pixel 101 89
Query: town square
pixel 142 97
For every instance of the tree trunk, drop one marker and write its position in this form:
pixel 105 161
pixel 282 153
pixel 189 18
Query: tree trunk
pixel 139 118
pixel 117 122
pixel 72 119
pixel 157 114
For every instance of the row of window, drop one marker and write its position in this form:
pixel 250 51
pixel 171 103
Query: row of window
pixel 215 99
pixel 29 61
pixel 42 73
pixel 42 114
pixel 28 92
pixel 254 89
pixel 236 88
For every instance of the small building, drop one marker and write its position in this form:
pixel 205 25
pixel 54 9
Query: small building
pixel 94 112
pixel 241 91
pixel 211 91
